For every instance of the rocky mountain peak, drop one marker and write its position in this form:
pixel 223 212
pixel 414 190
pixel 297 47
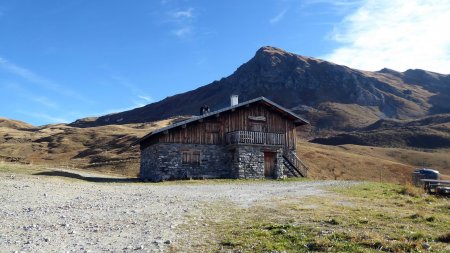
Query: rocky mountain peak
pixel 270 49
pixel 274 56
pixel 353 97
pixel 389 71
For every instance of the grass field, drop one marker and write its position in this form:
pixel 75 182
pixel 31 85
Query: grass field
pixel 367 217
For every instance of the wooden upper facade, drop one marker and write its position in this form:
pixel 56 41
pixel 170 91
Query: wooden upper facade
pixel 255 122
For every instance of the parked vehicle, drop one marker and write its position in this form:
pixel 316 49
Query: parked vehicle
pixel 424 173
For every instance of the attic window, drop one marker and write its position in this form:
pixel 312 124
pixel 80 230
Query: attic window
pixel 190 157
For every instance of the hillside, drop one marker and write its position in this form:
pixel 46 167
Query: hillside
pixel 104 148
pixel 331 96
pixel 107 149
pixel 428 132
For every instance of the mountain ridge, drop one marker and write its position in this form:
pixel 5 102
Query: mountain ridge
pixel 312 87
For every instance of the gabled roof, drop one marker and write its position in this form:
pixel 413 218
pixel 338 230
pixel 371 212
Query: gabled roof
pixel 299 121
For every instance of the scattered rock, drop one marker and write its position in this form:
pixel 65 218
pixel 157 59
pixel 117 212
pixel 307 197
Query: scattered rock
pixel 426 246
pixel 140 247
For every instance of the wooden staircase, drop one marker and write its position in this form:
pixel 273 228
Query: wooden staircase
pixel 294 164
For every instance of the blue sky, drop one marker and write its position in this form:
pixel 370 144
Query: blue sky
pixel 64 60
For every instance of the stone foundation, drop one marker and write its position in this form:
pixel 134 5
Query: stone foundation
pixel 163 161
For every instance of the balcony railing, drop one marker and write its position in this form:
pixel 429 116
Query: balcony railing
pixel 250 137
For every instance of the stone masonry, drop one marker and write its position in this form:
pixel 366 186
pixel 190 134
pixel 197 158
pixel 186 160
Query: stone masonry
pixel 249 161
pixel 163 161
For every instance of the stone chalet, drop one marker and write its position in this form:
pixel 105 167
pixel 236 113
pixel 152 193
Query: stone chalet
pixel 253 139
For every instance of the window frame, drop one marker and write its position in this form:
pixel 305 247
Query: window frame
pixel 191 157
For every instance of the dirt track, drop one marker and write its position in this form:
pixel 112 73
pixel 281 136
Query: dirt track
pixel 50 214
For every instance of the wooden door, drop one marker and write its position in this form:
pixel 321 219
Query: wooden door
pixel 269 164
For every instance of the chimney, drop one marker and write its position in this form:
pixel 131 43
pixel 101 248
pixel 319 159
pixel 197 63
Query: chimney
pixel 204 109
pixel 234 100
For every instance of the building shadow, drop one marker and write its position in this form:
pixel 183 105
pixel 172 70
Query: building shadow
pixel 57 173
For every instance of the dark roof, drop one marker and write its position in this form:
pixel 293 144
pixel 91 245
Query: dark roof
pixel 299 121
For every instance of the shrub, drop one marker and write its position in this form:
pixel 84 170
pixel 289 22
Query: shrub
pixel 416 216
pixel 411 190
pixel 332 221
pixel 416 236
pixel 445 238
pixel 430 219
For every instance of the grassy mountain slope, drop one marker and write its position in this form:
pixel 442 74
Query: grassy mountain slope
pixel 106 149
pixel 428 132
pixel 99 148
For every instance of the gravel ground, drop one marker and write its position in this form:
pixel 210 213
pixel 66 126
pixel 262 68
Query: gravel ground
pixel 48 214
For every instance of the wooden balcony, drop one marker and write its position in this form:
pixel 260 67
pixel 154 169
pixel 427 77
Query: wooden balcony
pixel 255 138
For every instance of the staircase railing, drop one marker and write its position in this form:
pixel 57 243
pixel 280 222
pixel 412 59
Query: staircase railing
pixel 296 163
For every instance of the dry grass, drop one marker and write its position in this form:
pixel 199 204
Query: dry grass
pixel 342 116
pixel 105 148
pixel 369 217
pixel 411 190
pixel 369 163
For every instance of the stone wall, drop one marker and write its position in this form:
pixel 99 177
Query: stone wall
pixel 279 166
pixel 249 161
pixel 163 161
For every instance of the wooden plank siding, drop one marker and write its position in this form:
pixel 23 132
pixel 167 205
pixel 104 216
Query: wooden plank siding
pixel 212 130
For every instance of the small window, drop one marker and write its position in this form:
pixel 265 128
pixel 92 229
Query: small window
pixel 190 157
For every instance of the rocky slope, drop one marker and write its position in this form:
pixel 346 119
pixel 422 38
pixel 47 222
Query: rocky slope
pixel 331 96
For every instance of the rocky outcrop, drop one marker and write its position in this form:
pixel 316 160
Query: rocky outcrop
pixel 316 88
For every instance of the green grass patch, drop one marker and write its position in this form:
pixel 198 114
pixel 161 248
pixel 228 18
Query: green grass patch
pixel 13 168
pixel 366 217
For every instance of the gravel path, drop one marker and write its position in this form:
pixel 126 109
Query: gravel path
pixel 48 214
